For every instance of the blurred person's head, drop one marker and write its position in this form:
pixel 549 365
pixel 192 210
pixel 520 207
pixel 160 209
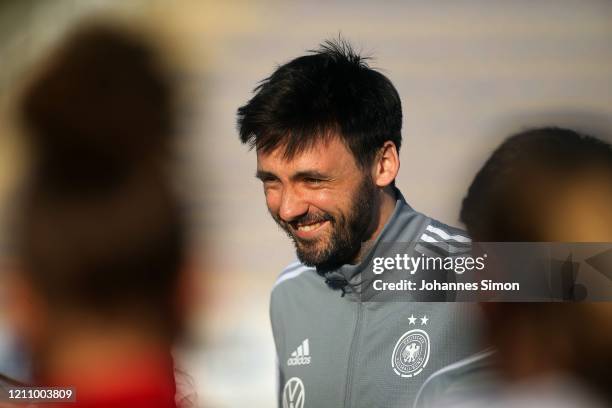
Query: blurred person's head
pixel 100 235
pixel 327 131
pixel 547 184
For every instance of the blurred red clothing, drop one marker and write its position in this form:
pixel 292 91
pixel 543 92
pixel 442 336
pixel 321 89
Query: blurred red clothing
pixel 134 383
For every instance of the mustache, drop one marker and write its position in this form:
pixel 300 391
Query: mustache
pixel 305 219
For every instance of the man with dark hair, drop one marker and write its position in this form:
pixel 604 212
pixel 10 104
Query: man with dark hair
pixel 327 132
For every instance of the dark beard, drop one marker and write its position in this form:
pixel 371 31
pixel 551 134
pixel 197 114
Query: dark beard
pixel 348 232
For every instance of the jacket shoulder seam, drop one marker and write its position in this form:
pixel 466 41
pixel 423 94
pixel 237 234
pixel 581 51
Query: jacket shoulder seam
pixel 291 272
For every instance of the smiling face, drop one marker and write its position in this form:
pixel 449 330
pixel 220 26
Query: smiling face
pixel 325 202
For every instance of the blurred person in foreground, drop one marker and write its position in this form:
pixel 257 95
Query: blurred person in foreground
pixel 327 132
pixel 541 185
pixel 100 235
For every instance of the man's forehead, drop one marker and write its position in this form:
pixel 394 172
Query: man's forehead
pixel 318 151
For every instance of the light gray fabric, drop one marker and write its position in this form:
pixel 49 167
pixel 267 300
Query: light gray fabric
pixel 351 343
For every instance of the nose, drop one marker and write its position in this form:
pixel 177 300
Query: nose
pixel 292 205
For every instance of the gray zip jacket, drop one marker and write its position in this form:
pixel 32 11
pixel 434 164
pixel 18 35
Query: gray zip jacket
pixel 336 350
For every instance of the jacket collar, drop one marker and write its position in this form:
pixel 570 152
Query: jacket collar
pixel 348 277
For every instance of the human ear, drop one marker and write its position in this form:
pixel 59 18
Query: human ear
pixel 386 165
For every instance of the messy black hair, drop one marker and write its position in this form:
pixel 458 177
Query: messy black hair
pixel 330 92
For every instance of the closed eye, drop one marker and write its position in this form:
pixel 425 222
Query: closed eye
pixel 312 180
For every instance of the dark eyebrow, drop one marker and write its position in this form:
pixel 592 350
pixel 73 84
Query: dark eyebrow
pixel 300 175
pixel 262 175
pixel 313 174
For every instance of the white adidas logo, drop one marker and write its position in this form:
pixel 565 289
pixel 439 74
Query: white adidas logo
pixel 301 356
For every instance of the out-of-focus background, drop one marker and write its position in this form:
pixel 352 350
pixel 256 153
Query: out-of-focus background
pixel 469 73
